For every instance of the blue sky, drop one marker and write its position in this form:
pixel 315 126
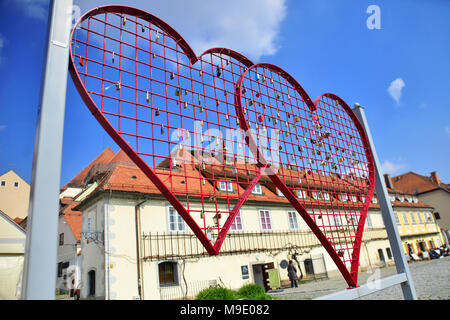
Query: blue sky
pixel 326 45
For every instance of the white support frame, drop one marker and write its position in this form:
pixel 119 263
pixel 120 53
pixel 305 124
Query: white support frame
pixel 39 272
pixel 403 276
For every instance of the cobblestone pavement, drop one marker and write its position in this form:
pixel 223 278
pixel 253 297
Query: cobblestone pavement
pixel 431 280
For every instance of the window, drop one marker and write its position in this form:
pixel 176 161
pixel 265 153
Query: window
pixel 392 197
pixel 168 275
pixel 176 222
pixel 363 199
pixel 301 194
pixel 226 186
pixel 374 199
pixel 428 217
pixel 16 184
pixel 405 218
pixel 344 197
pixel 409 198
pixel 413 219
pixel 353 198
pixel 257 189
pixel 293 224
pixel 264 217
pixel 91 283
pixel 279 193
pixel 415 200
pixel 326 196
pixel 419 216
pixel 315 195
pixel 389 253
pixel 437 216
pixel 60 270
pixel 3 183
pixel 61 239
pixel 369 221
pixel 397 220
pixel 237 223
pixel 337 220
pixel 401 197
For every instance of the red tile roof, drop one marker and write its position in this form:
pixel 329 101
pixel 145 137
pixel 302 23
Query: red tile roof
pixel 73 218
pixel 414 183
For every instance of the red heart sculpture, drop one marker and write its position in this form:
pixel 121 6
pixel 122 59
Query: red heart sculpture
pixel 315 153
pixel 176 115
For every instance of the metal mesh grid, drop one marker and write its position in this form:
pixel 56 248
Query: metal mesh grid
pixel 206 129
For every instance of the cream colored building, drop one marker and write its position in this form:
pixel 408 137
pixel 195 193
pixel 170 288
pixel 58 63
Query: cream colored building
pixel 134 245
pixel 12 247
pixel 14 195
pixel 430 190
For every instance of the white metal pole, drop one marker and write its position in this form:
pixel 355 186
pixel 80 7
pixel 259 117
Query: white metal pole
pixel 39 274
pixel 407 286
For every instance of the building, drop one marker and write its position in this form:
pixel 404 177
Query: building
pixel 14 195
pixel 12 248
pixel 432 191
pixel 418 228
pixel 135 245
pixel 69 225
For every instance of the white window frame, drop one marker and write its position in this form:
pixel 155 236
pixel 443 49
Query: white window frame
pixel 369 221
pixel 419 216
pixel 260 220
pixel 337 219
pixel 392 197
pixel 315 195
pixel 409 199
pixel 238 216
pixel 353 198
pixel 343 197
pixel 301 194
pixel 405 218
pixel 257 189
pixel 401 197
pixel 177 215
pixel 292 217
pixel 397 219
pixel 363 199
pixel 374 199
pixel 413 219
pixel 279 193
pixel 326 196
pixel 225 186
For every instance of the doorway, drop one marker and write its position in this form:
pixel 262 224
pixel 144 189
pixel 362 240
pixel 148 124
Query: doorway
pixel 91 283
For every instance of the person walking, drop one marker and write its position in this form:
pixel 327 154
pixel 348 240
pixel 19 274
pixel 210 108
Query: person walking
pixel 292 274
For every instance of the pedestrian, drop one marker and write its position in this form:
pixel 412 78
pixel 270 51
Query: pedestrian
pixel 292 274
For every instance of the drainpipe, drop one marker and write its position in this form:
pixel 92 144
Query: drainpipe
pixel 137 211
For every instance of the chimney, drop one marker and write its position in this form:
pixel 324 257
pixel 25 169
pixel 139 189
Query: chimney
pixel 388 181
pixel 435 178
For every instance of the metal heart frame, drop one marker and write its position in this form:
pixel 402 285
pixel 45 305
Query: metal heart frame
pixel 168 48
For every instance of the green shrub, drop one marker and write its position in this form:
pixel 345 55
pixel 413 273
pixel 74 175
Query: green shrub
pixel 253 291
pixel 217 294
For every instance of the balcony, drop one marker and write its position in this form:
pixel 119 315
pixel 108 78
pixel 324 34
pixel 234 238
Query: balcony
pixel 162 246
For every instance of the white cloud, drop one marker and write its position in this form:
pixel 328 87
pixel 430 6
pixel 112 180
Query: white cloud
pixel 391 167
pixel 447 130
pixel 250 27
pixel 395 89
pixel 36 9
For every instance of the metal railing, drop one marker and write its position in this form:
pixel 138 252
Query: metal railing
pixel 185 291
pixel 162 245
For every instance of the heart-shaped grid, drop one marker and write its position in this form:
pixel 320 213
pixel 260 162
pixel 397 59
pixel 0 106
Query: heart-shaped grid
pixel 317 155
pixel 160 86
pixel 172 112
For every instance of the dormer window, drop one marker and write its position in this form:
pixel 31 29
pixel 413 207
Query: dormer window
pixel 415 200
pixel 315 195
pixel 392 197
pixel 279 193
pixel 353 198
pixel 363 199
pixel 225 186
pixel 257 189
pixel 401 197
pixel 301 194
pixel 374 199
pixel 326 196
pixel 409 198
pixel 344 197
